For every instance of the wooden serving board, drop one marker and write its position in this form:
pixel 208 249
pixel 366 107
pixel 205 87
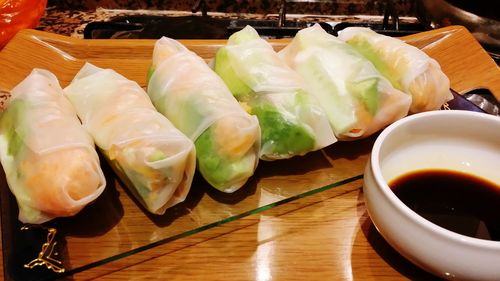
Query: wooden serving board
pixel 462 58
pixel 106 236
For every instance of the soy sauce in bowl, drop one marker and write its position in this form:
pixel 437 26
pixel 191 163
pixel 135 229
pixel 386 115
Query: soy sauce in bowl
pixel 460 202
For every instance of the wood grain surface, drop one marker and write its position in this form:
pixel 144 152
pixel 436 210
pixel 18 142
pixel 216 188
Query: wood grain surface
pixel 325 236
pixel 462 58
pixel 328 236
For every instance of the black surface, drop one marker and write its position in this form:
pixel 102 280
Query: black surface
pixel 154 27
pixel 206 27
pixel 403 29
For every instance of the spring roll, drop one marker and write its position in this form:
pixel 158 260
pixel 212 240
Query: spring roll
pixel 408 68
pixel 184 89
pixel 356 97
pixel 154 159
pixel 291 121
pixel 49 160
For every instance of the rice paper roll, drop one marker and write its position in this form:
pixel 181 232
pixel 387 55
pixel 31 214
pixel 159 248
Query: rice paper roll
pixel 49 160
pixel 408 68
pixel 357 99
pixel 291 121
pixel 184 89
pixel 154 159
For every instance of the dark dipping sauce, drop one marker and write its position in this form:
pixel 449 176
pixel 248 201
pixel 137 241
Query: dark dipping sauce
pixel 459 202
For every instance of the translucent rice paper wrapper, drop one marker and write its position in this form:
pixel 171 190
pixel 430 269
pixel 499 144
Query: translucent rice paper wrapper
pixel 49 159
pixel 408 68
pixel 154 159
pixel 184 88
pixel 292 122
pixel 358 100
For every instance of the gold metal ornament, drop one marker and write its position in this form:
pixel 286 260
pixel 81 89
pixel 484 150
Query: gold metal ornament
pixel 48 256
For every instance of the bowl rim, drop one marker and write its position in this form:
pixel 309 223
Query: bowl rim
pixel 405 210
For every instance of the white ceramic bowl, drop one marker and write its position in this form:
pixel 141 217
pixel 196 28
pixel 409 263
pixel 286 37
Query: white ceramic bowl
pixel 454 140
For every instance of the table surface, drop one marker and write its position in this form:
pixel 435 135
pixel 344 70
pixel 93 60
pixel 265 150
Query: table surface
pixel 324 236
